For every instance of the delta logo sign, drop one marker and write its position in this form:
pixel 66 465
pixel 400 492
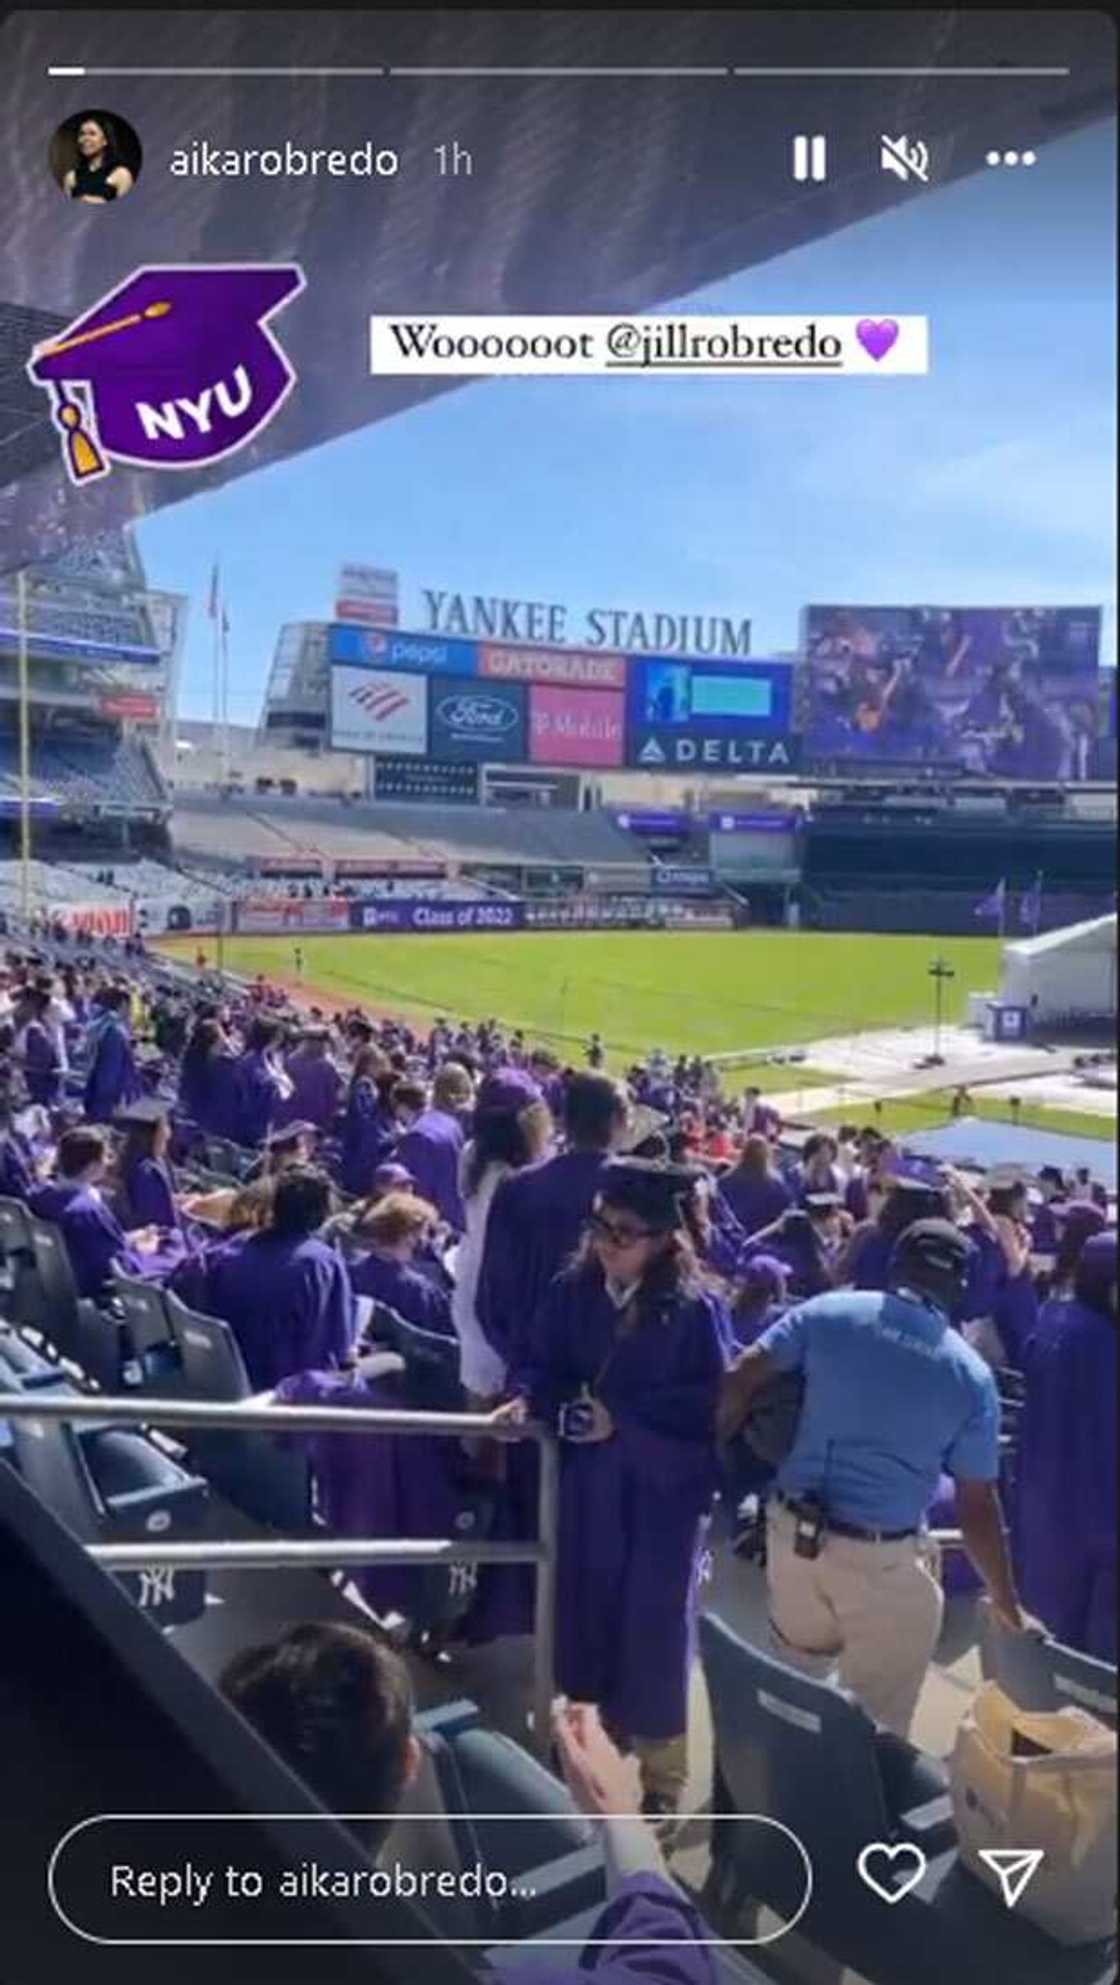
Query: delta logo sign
pixel 174 369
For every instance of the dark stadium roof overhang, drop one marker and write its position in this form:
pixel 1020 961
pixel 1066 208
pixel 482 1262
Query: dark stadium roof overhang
pixel 612 192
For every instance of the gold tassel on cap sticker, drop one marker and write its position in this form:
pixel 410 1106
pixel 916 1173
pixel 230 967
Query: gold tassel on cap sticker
pixel 84 458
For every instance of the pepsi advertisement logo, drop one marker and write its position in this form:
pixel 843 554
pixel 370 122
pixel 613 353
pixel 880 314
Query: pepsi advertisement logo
pixel 481 721
pixel 384 648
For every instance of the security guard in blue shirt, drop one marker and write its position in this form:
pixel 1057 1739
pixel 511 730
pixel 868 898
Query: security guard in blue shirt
pixel 893 1397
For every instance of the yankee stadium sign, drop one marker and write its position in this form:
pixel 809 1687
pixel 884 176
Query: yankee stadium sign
pixel 474 616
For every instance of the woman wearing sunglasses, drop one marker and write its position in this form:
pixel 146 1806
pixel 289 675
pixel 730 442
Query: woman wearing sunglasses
pixel 624 1363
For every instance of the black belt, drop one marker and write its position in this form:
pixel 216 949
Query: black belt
pixel 835 1528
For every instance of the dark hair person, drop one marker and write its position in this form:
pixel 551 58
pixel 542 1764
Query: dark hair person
pixel 511 1131
pixel 624 1360
pixel 336 1706
pixel 284 1292
pixel 206 1076
pixel 100 174
pixel 754 1188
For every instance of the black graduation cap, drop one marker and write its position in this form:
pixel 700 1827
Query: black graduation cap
pixel 652 1191
pixel 143 1114
pixel 290 1134
pixel 823 1202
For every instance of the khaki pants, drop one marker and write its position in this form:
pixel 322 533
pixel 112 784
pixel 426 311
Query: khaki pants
pixel 664 1765
pixel 872 1612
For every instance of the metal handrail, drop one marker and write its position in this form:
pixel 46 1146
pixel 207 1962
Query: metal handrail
pixel 275 1554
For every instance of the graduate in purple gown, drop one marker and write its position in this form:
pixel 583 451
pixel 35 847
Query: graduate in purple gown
pixel 1065 1522
pixel 432 1147
pixel 317 1084
pixel 285 1294
pixel 624 1361
pixel 147 1184
pixel 368 1130
pixel 537 1217
pixel 38 1050
pixel 867 1257
pixel 17 1160
pixel 206 1079
pixel 818 1170
pixel 95 1240
pixel 760 1299
pixel 759 1119
pixel 112 1079
pixel 754 1189
pixel 386 1244
pixel 1044 1221
pixel 261 1086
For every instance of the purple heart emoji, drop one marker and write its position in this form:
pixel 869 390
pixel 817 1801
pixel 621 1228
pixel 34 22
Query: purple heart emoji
pixel 877 335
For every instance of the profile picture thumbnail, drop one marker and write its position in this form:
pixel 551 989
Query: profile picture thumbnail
pixel 96 157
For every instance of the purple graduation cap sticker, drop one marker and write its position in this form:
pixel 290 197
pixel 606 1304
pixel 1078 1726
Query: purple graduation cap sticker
pixel 173 369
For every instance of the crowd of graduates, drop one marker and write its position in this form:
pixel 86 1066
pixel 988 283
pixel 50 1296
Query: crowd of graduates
pixel 599 1251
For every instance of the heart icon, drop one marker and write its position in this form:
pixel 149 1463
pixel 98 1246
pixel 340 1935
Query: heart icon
pixel 902 1869
pixel 877 335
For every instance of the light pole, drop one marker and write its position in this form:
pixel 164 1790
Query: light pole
pixel 940 972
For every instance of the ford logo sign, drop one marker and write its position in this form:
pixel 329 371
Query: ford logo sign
pixel 477 714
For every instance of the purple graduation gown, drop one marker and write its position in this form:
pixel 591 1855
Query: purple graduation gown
pixel 148 1191
pixel 727 1242
pixel 17 1177
pixel 316 1092
pixel 207 1095
pixel 367 1138
pixel 756 1203
pixel 431 1151
pixel 113 1079
pixel 287 1300
pixel 1065 1515
pixel 376 1487
pixel 95 1240
pixel 661 1939
pixel 415 1297
pixel 41 1069
pixel 536 1219
pixel 631 1506
pixel 256 1098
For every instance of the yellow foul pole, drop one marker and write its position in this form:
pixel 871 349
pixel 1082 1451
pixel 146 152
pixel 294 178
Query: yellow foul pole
pixel 24 748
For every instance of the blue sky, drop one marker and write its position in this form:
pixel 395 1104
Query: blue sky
pixel 990 482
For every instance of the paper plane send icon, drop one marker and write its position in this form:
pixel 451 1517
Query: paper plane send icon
pixel 1014 1867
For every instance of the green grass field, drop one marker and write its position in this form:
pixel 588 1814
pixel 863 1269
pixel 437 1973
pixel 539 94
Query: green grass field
pixel 926 1111
pixel 704 992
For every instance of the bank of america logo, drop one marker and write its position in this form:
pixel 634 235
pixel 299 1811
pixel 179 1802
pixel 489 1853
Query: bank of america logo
pixel 382 704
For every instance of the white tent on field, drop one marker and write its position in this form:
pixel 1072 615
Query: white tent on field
pixel 1066 974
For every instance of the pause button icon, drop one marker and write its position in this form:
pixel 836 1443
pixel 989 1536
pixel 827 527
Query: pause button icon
pixel 810 157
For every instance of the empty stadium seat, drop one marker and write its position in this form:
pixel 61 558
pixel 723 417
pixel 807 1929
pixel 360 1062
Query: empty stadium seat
pixel 22 1368
pixel 110 1484
pixel 805 1755
pixel 16 1260
pixel 1038 1673
pixel 431 1362
pixel 211 1363
pixel 555 1858
pixel 264 1476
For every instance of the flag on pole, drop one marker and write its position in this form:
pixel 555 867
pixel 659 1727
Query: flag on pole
pixel 225 622
pixel 995 904
pixel 1030 906
pixel 215 593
